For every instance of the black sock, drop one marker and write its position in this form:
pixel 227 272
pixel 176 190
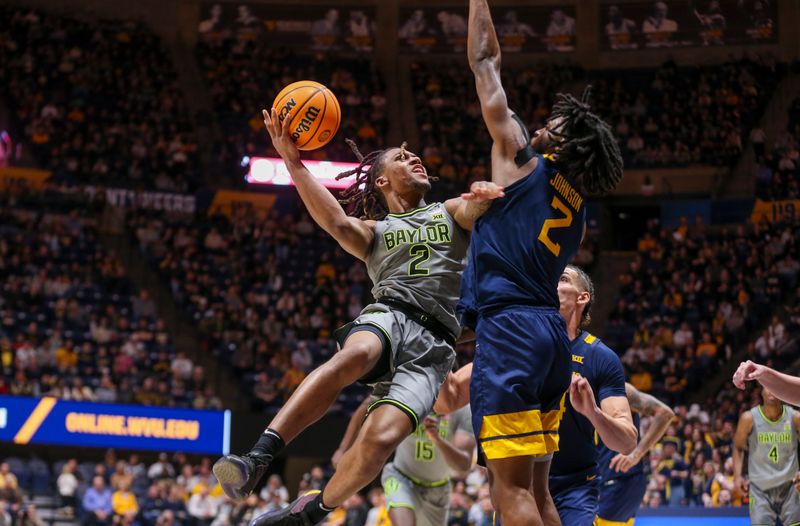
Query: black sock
pixel 269 444
pixel 316 509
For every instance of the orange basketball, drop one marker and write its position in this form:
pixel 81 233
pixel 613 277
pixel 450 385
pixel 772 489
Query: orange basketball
pixel 315 113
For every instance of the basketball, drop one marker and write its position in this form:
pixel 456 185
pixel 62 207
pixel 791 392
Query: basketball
pixel 314 111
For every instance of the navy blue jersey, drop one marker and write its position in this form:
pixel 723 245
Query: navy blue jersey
pixel 604 456
pixel 466 310
pixel 593 360
pixel 521 245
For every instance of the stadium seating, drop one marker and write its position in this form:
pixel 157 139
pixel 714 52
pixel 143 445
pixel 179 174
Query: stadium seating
pixel 244 76
pixel 266 293
pixel 680 115
pixel 96 102
pixel 74 327
pixel 170 487
pixel 694 295
pixel 778 174
pixel 668 117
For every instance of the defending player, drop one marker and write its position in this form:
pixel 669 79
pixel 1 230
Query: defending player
pixel 520 247
pixel 417 483
pixel 403 343
pixel 783 386
pixel 769 434
pixel 597 375
pixel 623 480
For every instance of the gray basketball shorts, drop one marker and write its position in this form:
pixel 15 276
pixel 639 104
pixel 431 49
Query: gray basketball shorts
pixel 430 504
pixel 766 506
pixel 413 365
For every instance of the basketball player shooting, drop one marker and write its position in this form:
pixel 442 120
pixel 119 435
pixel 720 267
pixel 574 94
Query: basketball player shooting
pixel 402 344
pixel 520 247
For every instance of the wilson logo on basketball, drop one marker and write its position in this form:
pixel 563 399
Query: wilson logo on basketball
pixel 305 123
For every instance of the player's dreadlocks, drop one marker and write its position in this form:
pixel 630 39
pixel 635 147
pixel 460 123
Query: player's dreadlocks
pixel 588 150
pixel 588 286
pixel 363 197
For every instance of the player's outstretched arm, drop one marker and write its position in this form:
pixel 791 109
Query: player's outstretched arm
pixel 483 51
pixel 454 392
pixel 662 415
pixel 612 419
pixel 458 455
pixel 471 205
pixel 785 387
pixel 743 429
pixel 354 235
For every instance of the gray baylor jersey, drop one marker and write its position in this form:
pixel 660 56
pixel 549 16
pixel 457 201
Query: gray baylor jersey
pixel 772 449
pixel 417 457
pixel 417 257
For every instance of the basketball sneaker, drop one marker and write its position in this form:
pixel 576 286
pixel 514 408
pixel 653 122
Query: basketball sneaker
pixel 305 511
pixel 239 475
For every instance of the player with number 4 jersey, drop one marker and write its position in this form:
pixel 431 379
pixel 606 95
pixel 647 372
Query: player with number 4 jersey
pixel 520 247
pixel 769 434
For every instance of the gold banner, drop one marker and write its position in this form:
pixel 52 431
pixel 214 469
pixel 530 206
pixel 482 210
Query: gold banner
pixel 228 202
pixel 23 177
pixel 775 211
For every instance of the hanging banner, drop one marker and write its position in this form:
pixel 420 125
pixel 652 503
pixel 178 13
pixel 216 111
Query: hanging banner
pixel 775 211
pixel 228 202
pixel 318 28
pixel 29 178
pixel 425 29
pixel 137 200
pixel 686 23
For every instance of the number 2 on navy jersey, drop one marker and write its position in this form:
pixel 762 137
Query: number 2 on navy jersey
pixel 557 222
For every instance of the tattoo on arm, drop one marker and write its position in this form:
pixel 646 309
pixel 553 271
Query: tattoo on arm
pixel 643 403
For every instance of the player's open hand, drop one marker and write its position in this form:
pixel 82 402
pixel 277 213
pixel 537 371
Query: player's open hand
pixel 582 397
pixel 281 136
pixel 480 191
pixel 623 463
pixel 431 425
pixel 741 485
pixel 746 372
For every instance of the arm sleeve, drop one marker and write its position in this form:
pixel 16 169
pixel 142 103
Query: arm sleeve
pixel 611 376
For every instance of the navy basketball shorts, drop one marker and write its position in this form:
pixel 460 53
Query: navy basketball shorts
pixel 620 499
pixel 576 498
pixel 521 373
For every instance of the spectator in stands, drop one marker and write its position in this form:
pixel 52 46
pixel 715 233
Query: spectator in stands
pixel 67 484
pixel 674 471
pixel 202 506
pixel 97 503
pixel 378 515
pixel 275 487
pixel 161 469
pixel 124 504
pixel 153 505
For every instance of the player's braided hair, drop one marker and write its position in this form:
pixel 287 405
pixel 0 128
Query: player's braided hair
pixel 363 198
pixel 588 150
pixel 588 286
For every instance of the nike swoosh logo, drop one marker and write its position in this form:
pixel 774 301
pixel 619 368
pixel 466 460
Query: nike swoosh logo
pixel 591 477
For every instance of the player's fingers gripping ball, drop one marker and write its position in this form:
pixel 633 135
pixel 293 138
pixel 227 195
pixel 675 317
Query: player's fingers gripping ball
pixel 315 113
